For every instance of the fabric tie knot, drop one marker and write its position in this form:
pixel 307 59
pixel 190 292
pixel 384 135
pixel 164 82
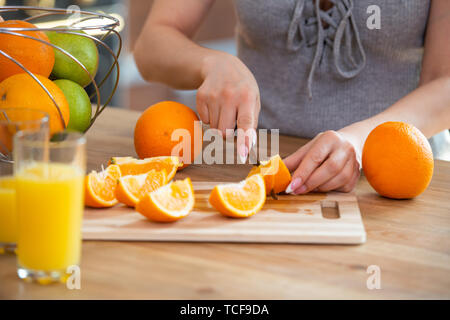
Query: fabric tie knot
pixel 307 29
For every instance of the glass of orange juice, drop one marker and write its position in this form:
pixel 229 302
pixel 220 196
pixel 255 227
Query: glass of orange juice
pixel 49 179
pixel 12 121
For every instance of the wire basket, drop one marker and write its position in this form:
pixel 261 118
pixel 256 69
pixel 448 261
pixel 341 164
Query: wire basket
pixel 103 25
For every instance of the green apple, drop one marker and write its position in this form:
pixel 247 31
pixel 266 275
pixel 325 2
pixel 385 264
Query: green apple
pixel 82 48
pixel 79 104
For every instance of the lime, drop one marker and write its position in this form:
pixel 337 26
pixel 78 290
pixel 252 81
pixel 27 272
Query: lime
pixel 82 48
pixel 79 104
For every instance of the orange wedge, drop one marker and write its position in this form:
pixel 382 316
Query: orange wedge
pixel 239 200
pixel 100 187
pixel 276 175
pixel 131 188
pixel 168 203
pixel 132 166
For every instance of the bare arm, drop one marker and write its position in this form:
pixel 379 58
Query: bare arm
pixel 427 107
pixel 330 160
pixel 164 51
pixel 228 94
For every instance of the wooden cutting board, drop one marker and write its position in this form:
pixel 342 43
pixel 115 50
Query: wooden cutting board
pixel 312 218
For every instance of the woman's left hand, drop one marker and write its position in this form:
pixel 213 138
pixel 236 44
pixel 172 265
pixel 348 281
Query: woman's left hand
pixel 328 162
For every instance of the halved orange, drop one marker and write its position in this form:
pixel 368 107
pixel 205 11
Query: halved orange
pixel 276 175
pixel 132 166
pixel 168 203
pixel 100 187
pixel 131 188
pixel 239 200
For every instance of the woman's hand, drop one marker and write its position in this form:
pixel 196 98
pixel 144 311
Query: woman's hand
pixel 331 160
pixel 227 91
pixel 229 97
pixel 328 162
pixel 1 19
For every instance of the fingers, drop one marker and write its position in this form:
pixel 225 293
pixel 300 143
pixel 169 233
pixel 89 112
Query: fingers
pixel 352 184
pixel 318 153
pixel 224 113
pixel 227 110
pixel 202 107
pixel 328 162
pixel 247 121
pixel 292 161
pixel 214 114
pixel 247 114
pixel 227 118
pixel 345 181
pixel 228 106
pixel 246 140
pixel 331 167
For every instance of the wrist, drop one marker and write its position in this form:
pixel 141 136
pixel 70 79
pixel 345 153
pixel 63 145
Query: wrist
pixel 356 134
pixel 210 61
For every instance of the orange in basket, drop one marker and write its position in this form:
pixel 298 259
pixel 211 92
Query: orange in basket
pixel 22 91
pixel 35 56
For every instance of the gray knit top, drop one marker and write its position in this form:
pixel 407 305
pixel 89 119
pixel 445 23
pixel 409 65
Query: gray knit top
pixel 323 70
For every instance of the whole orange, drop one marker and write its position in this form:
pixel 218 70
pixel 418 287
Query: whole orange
pixel 154 129
pixel 22 91
pixel 36 56
pixel 397 160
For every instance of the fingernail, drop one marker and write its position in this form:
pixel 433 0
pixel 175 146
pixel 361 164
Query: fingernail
pixel 301 190
pixel 293 185
pixel 243 153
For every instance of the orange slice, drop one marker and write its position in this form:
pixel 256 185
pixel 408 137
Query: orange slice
pixel 276 175
pixel 168 203
pixel 132 166
pixel 131 188
pixel 100 187
pixel 239 200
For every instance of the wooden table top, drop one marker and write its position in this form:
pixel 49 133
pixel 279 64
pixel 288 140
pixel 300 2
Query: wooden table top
pixel 408 239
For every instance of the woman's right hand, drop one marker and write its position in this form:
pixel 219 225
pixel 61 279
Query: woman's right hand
pixel 227 91
pixel 229 96
pixel 1 19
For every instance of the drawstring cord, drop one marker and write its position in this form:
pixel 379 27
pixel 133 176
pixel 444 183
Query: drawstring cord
pixel 332 36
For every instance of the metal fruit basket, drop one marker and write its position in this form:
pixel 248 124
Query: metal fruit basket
pixel 103 25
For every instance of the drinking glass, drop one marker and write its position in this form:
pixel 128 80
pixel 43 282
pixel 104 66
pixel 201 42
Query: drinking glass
pixel 49 179
pixel 12 121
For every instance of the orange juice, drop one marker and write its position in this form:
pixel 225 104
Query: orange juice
pixel 8 217
pixel 50 208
